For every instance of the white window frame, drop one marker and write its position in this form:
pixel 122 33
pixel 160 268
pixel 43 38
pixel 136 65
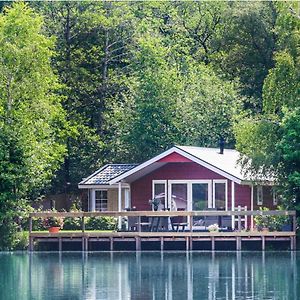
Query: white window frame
pixel 259 192
pixel 226 192
pixel 153 189
pixel 94 196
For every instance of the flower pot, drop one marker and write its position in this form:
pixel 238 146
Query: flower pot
pixel 54 229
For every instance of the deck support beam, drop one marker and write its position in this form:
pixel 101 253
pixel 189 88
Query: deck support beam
pixel 191 243
pixel 86 244
pixel 59 244
pixel 187 243
pixel 138 244
pixel 263 243
pixel 293 243
pixel 238 243
pixel 161 243
pixel 213 243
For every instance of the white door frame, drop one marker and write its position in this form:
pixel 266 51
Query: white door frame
pixel 189 184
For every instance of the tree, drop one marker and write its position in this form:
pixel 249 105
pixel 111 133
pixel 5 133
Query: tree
pixel 206 107
pixel 91 55
pixel 248 47
pixel 32 120
pixel 271 140
pixel 150 121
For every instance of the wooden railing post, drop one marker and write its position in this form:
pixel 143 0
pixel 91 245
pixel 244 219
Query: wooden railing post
pixel 139 224
pixel 191 223
pixel 30 224
pixel 239 223
pixel 82 224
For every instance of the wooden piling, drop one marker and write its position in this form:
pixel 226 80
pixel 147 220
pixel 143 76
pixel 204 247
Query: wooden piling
pixel 213 243
pixel 161 243
pixel 59 244
pixel 263 243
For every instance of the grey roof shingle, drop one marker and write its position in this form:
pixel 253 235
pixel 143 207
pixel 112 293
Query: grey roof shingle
pixel 106 173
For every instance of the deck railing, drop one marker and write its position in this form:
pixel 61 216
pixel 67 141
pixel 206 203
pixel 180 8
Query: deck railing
pixel 189 215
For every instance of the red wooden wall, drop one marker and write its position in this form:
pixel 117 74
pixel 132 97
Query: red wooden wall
pixel 141 189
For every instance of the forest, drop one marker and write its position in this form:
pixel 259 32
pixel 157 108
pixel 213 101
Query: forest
pixel 87 83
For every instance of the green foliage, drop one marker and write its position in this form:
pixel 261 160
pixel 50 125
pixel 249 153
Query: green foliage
pixel 120 82
pixel 32 120
pixel 273 223
pixel 101 223
pixel 21 241
pixel 271 140
pixel 289 149
pixel 71 223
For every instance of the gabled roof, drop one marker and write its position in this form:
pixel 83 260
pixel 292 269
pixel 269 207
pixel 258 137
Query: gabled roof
pixel 107 173
pixel 225 164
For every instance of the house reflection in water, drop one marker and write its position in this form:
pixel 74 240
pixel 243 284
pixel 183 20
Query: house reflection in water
pixel 168 275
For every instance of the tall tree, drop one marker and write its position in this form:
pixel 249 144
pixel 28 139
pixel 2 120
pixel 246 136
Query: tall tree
pixel 271 140
pixel 92 41
pixel 32 120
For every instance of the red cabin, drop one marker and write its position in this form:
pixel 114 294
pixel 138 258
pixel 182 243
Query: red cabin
pixel 181 178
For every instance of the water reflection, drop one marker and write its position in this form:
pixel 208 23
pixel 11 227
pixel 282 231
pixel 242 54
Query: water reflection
pixel 143 276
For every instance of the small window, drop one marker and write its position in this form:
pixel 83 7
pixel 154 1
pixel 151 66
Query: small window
pixel 100 200
pixel 159 192
pixel 259 195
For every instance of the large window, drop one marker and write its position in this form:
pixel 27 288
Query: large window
pixel 220 194
pixel 200 198
pixel 179 196
pixel 100 200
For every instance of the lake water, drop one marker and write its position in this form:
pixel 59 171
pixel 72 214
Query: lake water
pixel 150 275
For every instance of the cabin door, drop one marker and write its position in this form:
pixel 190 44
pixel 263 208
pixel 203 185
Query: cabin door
pixel 189 195
pixel 178 196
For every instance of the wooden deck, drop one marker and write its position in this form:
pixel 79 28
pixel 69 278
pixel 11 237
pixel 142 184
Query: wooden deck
pixel 189 237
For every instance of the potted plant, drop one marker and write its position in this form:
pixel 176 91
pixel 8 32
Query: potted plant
pixel 53 223
pixel 213 228
pixel 154 203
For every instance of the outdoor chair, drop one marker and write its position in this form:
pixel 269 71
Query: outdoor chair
pixel 178 223
pixel 132 223
pixel 159 224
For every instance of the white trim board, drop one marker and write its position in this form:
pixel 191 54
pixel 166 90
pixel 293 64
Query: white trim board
pixel 184 154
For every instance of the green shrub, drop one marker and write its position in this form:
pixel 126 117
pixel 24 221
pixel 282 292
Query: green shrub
pixel 38 224
pixel 273 223
pixel 101 223
pixel 72 223
pixel 21 241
